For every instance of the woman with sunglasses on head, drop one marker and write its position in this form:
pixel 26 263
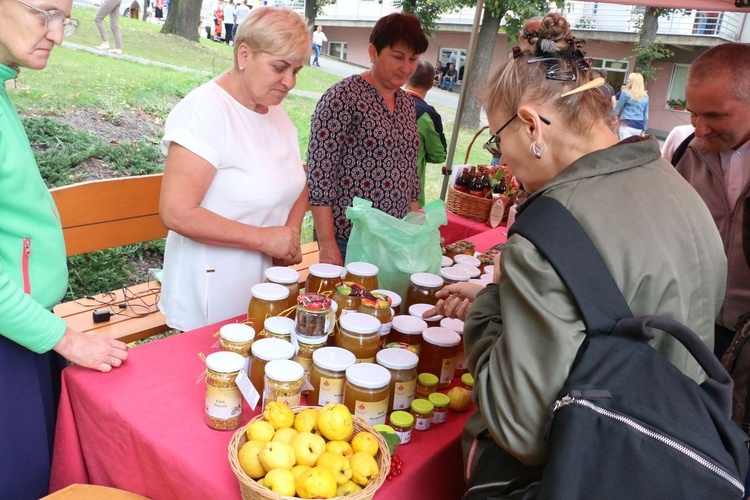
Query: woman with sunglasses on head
pixel 655 234
pixel 33 269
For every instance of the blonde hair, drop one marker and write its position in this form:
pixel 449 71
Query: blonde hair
pixel 278 31
pixel 635 87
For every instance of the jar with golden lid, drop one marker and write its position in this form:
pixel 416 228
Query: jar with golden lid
pixel 363 273
pixel 422 289
pixel 236 337
pixel 263 351
pixel 467 260
pixel 283 382
pixel 288 278
pixel 223 406
pixel 441 402
pixel 395 300
pixel 314 315
pixel 348 296
pixel 452 250
pixel 360 334
pixel 378 305
pixel 456 325
pixel 306 347
pixel 268 299
pixel 322 278
pixel 438 356
pixel 328 375
pixel 278 327
pixel 418 311
pixel 454 274
pixel 406 333
pixel 485 262
pixel 467 382
pixel 402 423
pixel 366 392
pixel 422 410
pixel 403 367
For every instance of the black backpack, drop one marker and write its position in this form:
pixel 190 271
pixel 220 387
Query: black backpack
pixel 627 422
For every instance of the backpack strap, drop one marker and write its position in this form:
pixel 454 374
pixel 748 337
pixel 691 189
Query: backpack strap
pixel 680 151
pixel 558 235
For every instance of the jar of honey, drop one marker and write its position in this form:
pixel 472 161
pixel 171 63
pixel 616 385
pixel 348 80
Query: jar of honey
pixel 328 375
pixel 406 332
pixel 363 273
pixel 402 423
pixel 314 315
pixel 454 274
pixel 418 310
pixel 467 382
pixel 486 263
pixel 306 347
pixel 347 295
pixel 457 326
pixel 395 300
pixel 288 278
pixel 223 406
pixel 422 410
pixel 467 246
pixel 268 299
pixel 278 327
pixel 378 305
pixel 322 278
pixel 426 385
pixel 453 250
pixel 236 337
pixel 446 261
pixel 366 392
pixel 472 271
pixel 440 401
pixel 422 289
pixel 360 334
pixel 283 382
pixel 403 367
pixel 263 351
pixel 439 351
pixel 468 260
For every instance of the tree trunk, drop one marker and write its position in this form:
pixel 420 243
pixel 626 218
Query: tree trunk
pixel 184 19
pixel 648 35
pixel 311 11
pixel 480 68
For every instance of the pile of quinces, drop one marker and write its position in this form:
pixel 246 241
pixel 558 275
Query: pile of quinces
pixel 311 454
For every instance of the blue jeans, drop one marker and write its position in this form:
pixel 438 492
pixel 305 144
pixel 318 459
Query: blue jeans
pixel 317 49
pixel 450 81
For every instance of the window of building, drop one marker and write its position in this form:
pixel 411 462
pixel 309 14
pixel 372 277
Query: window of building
pixel 337 49
pixel 617 71
pixel 677 84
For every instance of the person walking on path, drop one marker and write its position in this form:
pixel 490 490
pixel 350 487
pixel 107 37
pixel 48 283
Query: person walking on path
pixel 318 39
pixel 111 8
pixel 240 13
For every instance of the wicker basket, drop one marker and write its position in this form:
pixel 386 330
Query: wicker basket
pixel 466 205
pixel 251 490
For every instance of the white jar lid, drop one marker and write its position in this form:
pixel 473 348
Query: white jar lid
pixel 362 268
pixel 428 280
pixel 280 325
pixel 285 275
pixel 271 349
pixel 469 260
pixel 440 336
pixel 225 362
pixel 408 325
pixel 453 324
pixel 326 270
pixel 269 291
pixel 284 370
pixel 359 323
pixel 397 359
pixel 367 375
pixel 417 310
pixel 455 273
pixel 335 359
pixel 395 298
pixel 311 340
pixel 474 272
pixel 237 332
pixel 487 277
pixel 446 261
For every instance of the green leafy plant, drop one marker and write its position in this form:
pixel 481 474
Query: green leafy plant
pixel 676 103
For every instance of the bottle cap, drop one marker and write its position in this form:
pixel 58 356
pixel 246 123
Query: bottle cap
pixel 269 291
pixel 409 325
pixel 313 301
pixel 280 325
pixel 362 269
pixel 325 270
pixel 395 298
pixel 427 379
pixel 237 332
pixel 428 280
pixel 440 336
pixel 272 349
pixel 439 399
pixel 467 379
pixel 284 370
pixel 446 261
pixel 226 362
pixel 422 406
pixel 455 273
pixel 473 272
pixel 468 260
pixel 335 359
pixel 397 359
pixel 417 310
pixel 359 323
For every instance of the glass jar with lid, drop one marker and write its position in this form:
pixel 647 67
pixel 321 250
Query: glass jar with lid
pixel 441 402
pixel 363 273
pixel 348 296
pixel 446 261
pixel 286 277
pixel 223 406
pixel 314 315
pixel 328 375
pixel 236 337
pixel 403 367
pixel 438 356
pixel 467 246
pixel 418 311
pixel 322 278
pixel 283 382
pixel 486 263
pixel 422 289
pixel 378 305
pixel 456 325
pixel 402 423
pixel 426 384
pixel 278 327
pixel 472 271
pixel 306 347
pixel 406 332
pixel 366 392
pixel 468 260
pixel 263 351
pixel 395 300
pixel 454 274
pixel 360 334
pixel 422 410
pixel 453 250
pixel 268 299
pixel 467 382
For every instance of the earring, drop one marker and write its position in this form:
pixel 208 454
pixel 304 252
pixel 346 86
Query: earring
pixel 537 149
pixel 242 68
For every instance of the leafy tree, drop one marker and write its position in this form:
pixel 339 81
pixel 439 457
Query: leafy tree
pixel 314 7
pixel 648 50
pixel 428 12
pixel 184 19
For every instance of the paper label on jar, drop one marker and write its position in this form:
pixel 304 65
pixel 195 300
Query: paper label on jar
pixel 438 417
pixel 223 403
pixel 385 328
pixel 372 413
pixel 405 437
pixel 289 401
pixel 403 394
pixel 422 424
pixel 365 360
pixel 251 395
pixel 305 362
pixel 331 390
pixel 447 370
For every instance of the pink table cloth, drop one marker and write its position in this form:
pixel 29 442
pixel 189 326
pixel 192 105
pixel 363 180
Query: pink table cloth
pixel 459 228
pixel 141 428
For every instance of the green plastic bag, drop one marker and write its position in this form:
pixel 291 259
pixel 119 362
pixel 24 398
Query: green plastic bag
pixel 399 247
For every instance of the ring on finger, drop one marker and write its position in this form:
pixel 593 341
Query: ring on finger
pixel 112 360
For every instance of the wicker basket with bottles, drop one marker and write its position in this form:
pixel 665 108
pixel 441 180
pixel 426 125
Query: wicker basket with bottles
pixel 470 207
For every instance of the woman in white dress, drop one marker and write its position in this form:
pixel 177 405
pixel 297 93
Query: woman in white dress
pixel 234 191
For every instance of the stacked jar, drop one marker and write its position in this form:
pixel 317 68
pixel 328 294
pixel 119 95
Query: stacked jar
pixel 268 299
pixel 348 296
pixel 223 406
pixel 363 273
pixel 236 337
pixel 445 261
pixel 306 347
pixel 439 352
pixel 395 300
pixel 282 382
pixel 403 367
pixel 263 351
pixel 454 274
pixel 422 289
pixel 359 334
pixel 366 392
pixel 322 278
pixel 315 317
pixel 378 305
pixel 278 327
pixel 288 278
pixel 328 375
pixel 418 311
pixel 406 333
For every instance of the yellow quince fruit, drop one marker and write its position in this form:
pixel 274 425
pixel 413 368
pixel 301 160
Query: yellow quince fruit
pixel 306 420
pixel 365 442
pixel 336 464
pixel 275 455
pixel 285 435
pixel 297 470
pixel 281 481
pixel 335 422
pixel 364 468
pixel 260 430
pixel 340 447
pixel 278 415
pixel 316 483
pixel 249 460
pixel 348 488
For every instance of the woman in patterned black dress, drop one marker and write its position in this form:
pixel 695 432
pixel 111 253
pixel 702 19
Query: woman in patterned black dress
pixel 364 140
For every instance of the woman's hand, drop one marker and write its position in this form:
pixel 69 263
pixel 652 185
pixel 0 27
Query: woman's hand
pixel 330 254
pixel 282 243
pixel 91 350
pixel 454 300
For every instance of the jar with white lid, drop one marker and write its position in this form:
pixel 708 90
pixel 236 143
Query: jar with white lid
pixel 395 300
pixel 306 347
pixel 418 310
pixel 315 315
pixel 485 263
pixel 366 392
pixel 473 272
pixel 283 382
pixel 322 278
pixel 403 367
pixel 454 274
pixel 236 337
pixel 422 289
pixel 363 273
pixel 360 334
pixel 263 351
pixel 268 299
pixel 223 406
pixel 456 325
pixel 278 327
pixel 446 261
pixel 286 277
pixel 406 333
pixel 439 352
pixel 468 260
pixel 328 375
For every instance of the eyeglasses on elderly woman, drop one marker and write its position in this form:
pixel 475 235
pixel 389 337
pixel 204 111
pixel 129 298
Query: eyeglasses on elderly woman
pixel 493 144
pixel 55 19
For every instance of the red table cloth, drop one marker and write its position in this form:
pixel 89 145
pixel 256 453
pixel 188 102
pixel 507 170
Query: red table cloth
pixel 460 228
pixel 141 428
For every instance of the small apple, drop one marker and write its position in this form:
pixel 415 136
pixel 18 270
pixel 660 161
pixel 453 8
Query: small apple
pixel 338 465
pixel 460 399
pixel 307 448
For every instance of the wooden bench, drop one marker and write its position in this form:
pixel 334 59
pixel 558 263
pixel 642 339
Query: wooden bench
pixel 310 256
pixel 110 213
